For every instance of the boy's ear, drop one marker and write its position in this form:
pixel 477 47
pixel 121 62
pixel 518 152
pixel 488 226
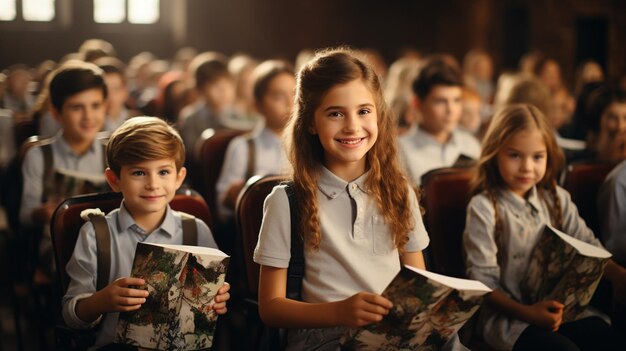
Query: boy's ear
pixel 55 113
pixel 112 179
pixel 416 102
pixel 180 177
pixel 258 106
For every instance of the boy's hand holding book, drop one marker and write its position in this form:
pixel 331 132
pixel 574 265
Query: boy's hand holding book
pixel 119 296
pixel 221 298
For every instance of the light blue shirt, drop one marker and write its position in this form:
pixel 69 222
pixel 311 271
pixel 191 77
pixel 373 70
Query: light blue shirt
pixel 269 158
pixel 612 212
pixel 522 220
pixel 125 234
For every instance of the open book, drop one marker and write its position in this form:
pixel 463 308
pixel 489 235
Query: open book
pixel 428 309
pixel 564 269
pixel 182 282
pixel 69 182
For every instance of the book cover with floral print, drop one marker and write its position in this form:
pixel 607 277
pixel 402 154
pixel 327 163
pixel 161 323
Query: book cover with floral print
pixel 427 311
pixel 564 269
pixel 182 282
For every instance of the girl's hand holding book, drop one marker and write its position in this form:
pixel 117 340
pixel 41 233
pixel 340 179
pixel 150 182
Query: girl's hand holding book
pixel 362 309
pixel 546 314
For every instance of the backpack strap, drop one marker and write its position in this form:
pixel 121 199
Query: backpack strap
pixel 190 230
pixel 295 272
pixel 103 249
pixel 251 158
pixel 103 144
pixel 48 171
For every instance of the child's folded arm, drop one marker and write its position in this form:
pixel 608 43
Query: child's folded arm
pixel 71 318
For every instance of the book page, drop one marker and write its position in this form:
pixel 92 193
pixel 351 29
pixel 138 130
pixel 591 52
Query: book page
pixel 454 283
pixel 582 247
pixel 90 177
pixel 193 249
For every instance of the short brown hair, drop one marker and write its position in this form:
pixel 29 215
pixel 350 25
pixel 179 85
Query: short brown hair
pixel 144 139
pixel 74 77
pixel 436 72
pixel 209 67
pixel 530 90
pixel 264 73
pixel 112 65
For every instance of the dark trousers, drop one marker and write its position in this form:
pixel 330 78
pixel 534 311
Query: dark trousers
pixel 590 333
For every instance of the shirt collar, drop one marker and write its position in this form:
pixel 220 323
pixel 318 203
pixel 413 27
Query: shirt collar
pixel 520 203
pixel 331 185
pixel 65 147
pixel 269 137
pixel 125 221
pixel 425 138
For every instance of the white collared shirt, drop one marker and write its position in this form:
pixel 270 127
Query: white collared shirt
pixel 422 153
pixel 269 158
pixel 356 251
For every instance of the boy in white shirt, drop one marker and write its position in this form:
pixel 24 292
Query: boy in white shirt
pixel 437 142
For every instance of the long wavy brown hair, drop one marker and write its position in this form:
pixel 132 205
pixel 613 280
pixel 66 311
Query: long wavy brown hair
pixel 509 121
pixel 327 69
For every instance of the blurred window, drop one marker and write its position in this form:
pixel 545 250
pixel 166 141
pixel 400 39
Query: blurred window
pixel 132 11
pixel 38 10
pixel 31 10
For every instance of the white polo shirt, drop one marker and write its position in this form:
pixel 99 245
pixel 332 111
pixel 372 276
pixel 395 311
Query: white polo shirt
pixel 422 153
pixel 356 252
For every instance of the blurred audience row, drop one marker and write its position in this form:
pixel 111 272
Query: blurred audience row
pixel 442 108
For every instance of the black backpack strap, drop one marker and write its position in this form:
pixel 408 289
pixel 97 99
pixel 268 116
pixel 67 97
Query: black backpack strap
pixel 190 230
pixel 48 171
pixel 103 143
pixel 295 272
pixel 251 158
pixel 103 249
